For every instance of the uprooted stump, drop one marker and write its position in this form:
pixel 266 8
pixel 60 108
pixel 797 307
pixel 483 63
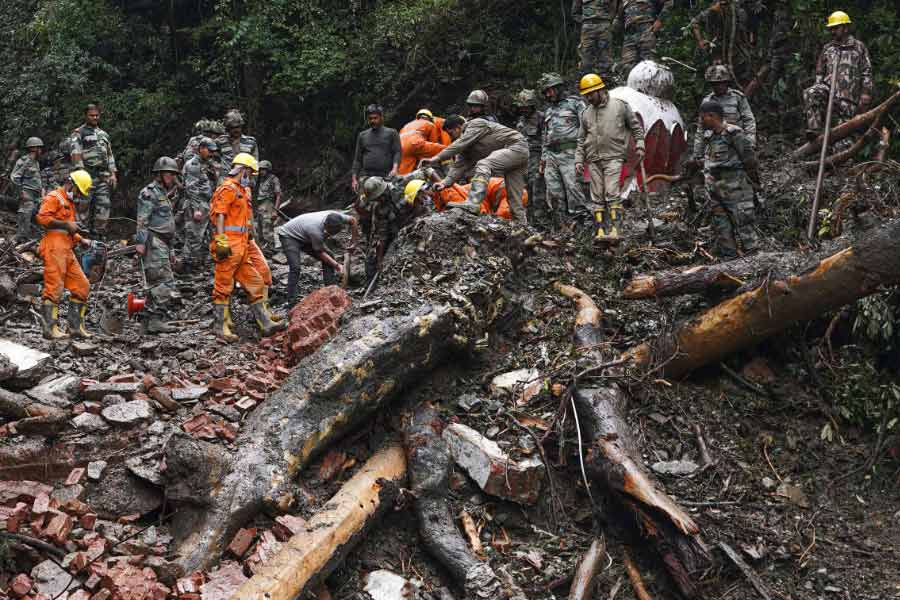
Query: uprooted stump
pixel 370 361
pixel 753 316
pixel 613 462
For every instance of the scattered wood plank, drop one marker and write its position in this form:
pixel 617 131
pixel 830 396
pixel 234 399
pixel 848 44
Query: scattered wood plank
pixel 748 572
pixel 586 571
pixel 637 582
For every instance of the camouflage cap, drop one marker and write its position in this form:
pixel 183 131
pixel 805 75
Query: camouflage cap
pixel 549 80
pixel 234 118
pixel 526 98
pixel 264 164
pixel 717 73
pixel 209 144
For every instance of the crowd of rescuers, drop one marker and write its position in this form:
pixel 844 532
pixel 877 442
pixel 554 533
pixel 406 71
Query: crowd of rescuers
pixel 219 207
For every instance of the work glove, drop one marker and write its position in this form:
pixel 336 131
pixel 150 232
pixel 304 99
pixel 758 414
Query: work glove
pixel 579 170
pixel 223 250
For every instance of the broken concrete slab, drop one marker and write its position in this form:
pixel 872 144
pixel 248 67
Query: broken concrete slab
pixel 90 423
pixel 51 579
pixel 183 394
pixel 491 468
pixel 95 469
pixel 59 392
pixel 121 493
pixel 128 413
pixel 22 491
pixel 7 368
pixel 30 364
pixel 96 391
pixel 224 582
pixel 385 585
pixel 146 467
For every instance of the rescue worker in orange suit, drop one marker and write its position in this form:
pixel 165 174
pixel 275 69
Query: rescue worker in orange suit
pixel 61 268
pixel 415 141
pixel 258 260
pixel 495 201
pixel 231 215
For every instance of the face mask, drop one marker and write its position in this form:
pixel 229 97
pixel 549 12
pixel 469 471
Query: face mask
pixel 70 194
pixel 245 180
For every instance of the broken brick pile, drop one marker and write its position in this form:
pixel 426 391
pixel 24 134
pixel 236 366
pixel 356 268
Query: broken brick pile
pixel 312 322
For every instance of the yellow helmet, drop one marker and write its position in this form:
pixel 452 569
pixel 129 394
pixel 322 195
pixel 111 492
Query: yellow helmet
pixel 425 112
pixel 838 17
pixel 245 160
pixel 590 83
pixel 412 189
pixel 82 180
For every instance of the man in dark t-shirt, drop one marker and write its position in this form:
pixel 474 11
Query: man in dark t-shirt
pixel 377 149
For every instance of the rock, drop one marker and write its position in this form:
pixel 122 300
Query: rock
pixel 83 348
pixel 507 382
pixel 95 469
pixel 97 391
pixel 29 364
pixel 20 585
pixel 793 493
pixel 469 402
pixel 768 483
pixel 121 493
pixel 146 467
pixel 490 467
pixel 90 423
pixel 7 368
pixel 128 413
pixel 224 410
pixel 29 289
pixel 69 492
pixel 758 370
pixel 286 526
pixel 112 400
pixel 51 579
pixel 385 585
pixel 675 467
pixel 189 393
pixel 223 582
pixel 167 572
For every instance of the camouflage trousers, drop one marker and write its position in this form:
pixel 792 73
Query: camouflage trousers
pixel 25 227
pixel 595 48
pixel 733 212
pixel 563 188
pixel 160 278
pixel 638 43
pixel 537 194
pixel 92 213
pixel 266 218
pixel 196 250
pixel 815 103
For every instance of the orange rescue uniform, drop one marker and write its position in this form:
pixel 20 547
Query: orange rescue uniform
pixel 258 261
pixel 440 136
pixel 61 268
pixel 494 203
pixel 416 143
pixel 233 200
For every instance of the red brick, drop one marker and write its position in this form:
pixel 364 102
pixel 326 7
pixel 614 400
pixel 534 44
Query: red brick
pixel 224 384
pixel 241 542
pixel 74 476
pixel 125 519
pixel 189 597
pixel 80 595
pixel 20 585
pixel 96 549
pixel 59 528
pixel 227 431
pixel 76 562
pixel 92 582
pixel 124 378
pixel 267 547
pixel 17 516
pixel 205 433
pixel 88 521
pixel 190 584
pixel 95 407
pixel 286 526
pixel 150 381
pixel 103 594
pixel 259 382
pixel 246 404
pixel 78 408
pixel 195 423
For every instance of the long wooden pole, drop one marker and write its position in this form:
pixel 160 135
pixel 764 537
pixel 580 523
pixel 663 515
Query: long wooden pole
pixel 811 229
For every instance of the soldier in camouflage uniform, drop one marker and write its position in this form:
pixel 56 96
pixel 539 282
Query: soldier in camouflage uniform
pixel 712 29
pixel 26 175
pixel 853 90
pixel 779 46
pixel 595 49
pixel 55 173
pixel 531 125
pixel 640 20
pixel 153 238
pixel 383 203
pixel 562 120
pixel 92 151
pixel 200 179
pixel 235 142
pixel 204 128
pixel 731 174
pixel 734 103
pixel 266 202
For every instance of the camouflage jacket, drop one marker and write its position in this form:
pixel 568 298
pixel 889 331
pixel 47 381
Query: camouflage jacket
pixel 54 176
pixel 737 112
pixel 562 121
pixel 716 24
pixel 199 182
pixel 635 12
pixel 27 175
pixel 268 189
pixel 154 212
pixel 479 138
pixel 191 148
pixel 730 149
pixel 593 10
pixel 228 151
pixel 389 212
pixel 93 144
pixel 854 69
pixel 532 127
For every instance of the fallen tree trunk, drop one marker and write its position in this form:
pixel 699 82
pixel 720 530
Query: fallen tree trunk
pixel 839 158
pixel 364 367
pixel 751 317
pixel 613 462
pixel 429 471
pixel 309 556
pixel 847 127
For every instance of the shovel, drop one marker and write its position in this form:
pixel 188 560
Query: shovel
pixel 651 230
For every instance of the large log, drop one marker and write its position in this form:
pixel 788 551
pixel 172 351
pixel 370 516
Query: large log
pixel 429 472
pixel 364 367
pixel 613 461
pixel 306 559
pixel 847 127
pixel 751 317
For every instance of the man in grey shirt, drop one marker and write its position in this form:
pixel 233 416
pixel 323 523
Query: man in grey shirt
pixel 307 233
pixel 377 149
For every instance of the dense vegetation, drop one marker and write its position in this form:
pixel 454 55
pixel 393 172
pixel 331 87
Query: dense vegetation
pixel 302 70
